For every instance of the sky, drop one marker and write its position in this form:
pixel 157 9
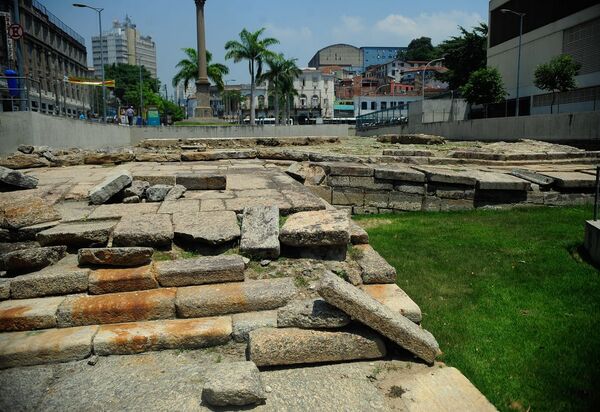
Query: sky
pixel 302 27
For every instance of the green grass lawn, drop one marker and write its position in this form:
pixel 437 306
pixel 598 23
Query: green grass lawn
pixel 508 297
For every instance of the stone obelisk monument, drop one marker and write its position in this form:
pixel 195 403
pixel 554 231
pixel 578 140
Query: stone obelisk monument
pixel 203 109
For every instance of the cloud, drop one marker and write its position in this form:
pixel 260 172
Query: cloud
pixel 349 25
pixel 439 26
pixel 287 33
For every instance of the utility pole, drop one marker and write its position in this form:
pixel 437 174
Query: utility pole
pixel 521 17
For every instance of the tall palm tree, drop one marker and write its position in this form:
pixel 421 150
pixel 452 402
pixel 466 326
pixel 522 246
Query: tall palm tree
pixel 281 74
pixel 255 49
pixel 188 69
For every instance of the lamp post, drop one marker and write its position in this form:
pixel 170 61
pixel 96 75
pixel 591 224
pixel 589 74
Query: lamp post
pixel 425 72
pixel 99 11
pixel 521 17
pixel 141 81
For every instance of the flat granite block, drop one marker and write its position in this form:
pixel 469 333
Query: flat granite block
pixel 394 298
pixel 29 314
pixel 400 173
pixel 318 228
pixel 32 259
pixel 144 230
pixel 61 279
pixel 115 256
pixel 379 317
pixel 207 228
pixel 226 298
pixel 291 346
pixel 118 210
pixel 114 280
pixel 260 232
pixel 138 337
pixel 77 234
pixel 117 308
pixel 48 346
pixel 202 181
pixel 244 323
pixel 201 270
pixel 233 384
pixel 22 209
pixel 110 187
pixel 374 268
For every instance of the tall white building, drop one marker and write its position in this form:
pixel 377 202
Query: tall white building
pixel 316 93
pixel 125 44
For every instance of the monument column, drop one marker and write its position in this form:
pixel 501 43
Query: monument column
pixel 203 109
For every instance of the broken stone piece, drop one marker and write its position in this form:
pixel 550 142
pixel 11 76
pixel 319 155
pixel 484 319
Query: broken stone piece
pixel 110 187
pixel 233 384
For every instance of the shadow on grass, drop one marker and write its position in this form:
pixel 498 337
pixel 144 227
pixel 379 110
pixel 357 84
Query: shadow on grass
pixel 581 255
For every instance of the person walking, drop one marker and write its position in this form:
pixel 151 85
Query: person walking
pixel 130 114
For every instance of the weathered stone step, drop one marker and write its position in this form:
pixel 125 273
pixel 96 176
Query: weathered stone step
pixel 29 314
pixel 48 346
pixel 271 347
pixel 226 298
pixel 117 308
pixel 396 299
pixel 115 280
pixel 374 268
pixel 137 337
pixel 201 270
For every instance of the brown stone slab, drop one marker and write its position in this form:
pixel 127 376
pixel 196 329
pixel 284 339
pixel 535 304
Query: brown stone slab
pixel 153 230
pixel 317 228
pixel 29 314
pixel 137 337
pixel 117 308
pixel 114 280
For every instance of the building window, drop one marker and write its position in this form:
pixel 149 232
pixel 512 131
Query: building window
pixel 383 105
pixel 373 105
pixel 363 105
pixel 314 101
pixel 303 101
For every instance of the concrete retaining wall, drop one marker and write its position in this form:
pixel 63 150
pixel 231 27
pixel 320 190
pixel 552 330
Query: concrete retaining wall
pixel 36 129
pixel 553 128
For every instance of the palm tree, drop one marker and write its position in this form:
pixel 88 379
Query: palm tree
pixel 188 69
pixel 281 74
pixel 255 49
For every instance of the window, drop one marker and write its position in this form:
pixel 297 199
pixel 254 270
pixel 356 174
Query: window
pixel 383 105
pixel 363 106
pixel 303 100
pixel 373 105
pixel 314 101
pixel 393 104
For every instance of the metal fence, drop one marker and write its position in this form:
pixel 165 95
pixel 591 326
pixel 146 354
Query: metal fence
pixel 381 118
pixel 20 97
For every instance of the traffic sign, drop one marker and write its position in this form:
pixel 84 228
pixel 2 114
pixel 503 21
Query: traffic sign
pixel 15 31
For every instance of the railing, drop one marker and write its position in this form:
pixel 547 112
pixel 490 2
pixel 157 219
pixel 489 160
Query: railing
pixel 597 194
pixel 382 118
pixel 57 22
pixel 24 93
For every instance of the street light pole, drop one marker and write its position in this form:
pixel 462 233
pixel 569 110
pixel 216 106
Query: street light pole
pixel 99 11
pixel 425 72
pixel 521 17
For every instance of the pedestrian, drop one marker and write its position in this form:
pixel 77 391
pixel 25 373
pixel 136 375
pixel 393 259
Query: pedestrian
pixel 130 114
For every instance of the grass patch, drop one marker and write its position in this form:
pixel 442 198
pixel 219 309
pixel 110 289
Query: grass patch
pixel 282 220
pixel 300 282
pixel 508 297
pixel 160 256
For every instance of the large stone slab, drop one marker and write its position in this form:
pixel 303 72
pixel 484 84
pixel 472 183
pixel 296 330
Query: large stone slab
pixel 117 308
pixel 233 384
pixel 348 169
pixel 115 256
pixel 226 298
pixel 358 235
pixel 24 209
pixel 115 280
pixel 260 232
pixel 572 180
pixel 29 314
pixel 448 176
pixel 291 346
pixel 202 181
pixel 201 270
pixel 61 279
pixel 374 268
pixel 48 346
pixel 389 323
pixel 207 228
pixel 399 173
pixel 244 323
pixel 137 337
pixel 500 181
pixel 144 230
pixel 316 228
pixel 533 177
pixel 77 234
pixel 29 260
pixel 311 314
pixel 109 187
pixel 16 179
pixel 118 210
pixel 394 298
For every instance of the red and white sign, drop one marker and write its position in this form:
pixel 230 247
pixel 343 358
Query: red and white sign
pixel 15 31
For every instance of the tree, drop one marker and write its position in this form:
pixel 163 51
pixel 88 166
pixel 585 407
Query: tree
pixel 485 86
pixel 558 75
pixel 419 49
pixel 464 55
pixel 188 69
pixel 281 73
pixel 127 82
pixel 255 49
